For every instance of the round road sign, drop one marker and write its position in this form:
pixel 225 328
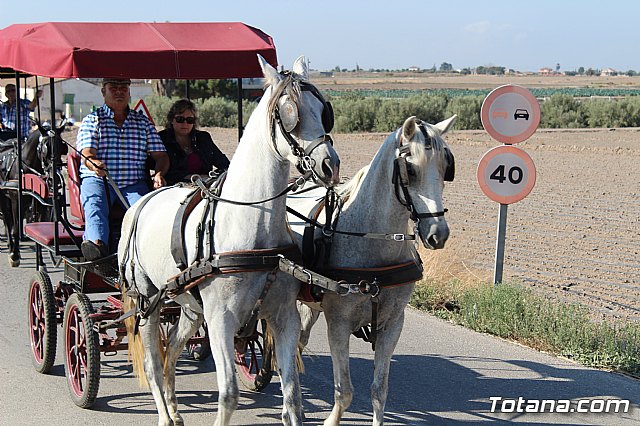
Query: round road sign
pixel 506 174
pixel 510 114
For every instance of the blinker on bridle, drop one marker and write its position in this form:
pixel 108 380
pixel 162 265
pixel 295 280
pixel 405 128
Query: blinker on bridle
pixel 401 179
pixel 305 163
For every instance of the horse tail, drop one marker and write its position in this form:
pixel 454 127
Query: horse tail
pixel 135 346
pixel 269 348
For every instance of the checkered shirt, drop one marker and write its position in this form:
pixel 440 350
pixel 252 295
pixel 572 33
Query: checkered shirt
pixel 122 150
pixel 8 113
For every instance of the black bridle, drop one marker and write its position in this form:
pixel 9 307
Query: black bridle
pixel 401 180
pixel 305 163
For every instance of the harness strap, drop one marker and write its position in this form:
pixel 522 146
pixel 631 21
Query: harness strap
pixel 134 228
pixel 230 262
pixel 386 276
pixel 178 248
pixel 379 236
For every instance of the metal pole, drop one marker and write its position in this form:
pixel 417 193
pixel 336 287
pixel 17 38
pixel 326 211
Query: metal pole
pixel 20 136
pixel 57 208
pixel 240 118
pixel 502 230
pixel 187 89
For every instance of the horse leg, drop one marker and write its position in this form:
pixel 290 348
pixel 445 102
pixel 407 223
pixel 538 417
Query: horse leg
pixel 308 318
pixel 188 324
pixel 221 328
pixel 339 333
pixel 153 363
pixel 386 342
pixel 285 329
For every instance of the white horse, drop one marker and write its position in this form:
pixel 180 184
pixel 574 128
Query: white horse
pixel 289 125
pixel 414 157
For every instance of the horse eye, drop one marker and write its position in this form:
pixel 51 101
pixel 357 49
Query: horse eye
pixel 411 170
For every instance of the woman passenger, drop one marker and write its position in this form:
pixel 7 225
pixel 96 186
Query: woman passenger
pixel 191 151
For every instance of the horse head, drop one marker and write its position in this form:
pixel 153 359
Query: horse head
pixel 423 162
pixel 47 138
pixel 300 122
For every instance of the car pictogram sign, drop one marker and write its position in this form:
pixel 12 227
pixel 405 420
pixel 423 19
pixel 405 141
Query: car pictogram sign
pixel 506 174
pixel 510 114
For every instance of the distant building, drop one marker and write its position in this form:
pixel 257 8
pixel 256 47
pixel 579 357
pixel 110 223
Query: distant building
pixel 414 69
pixel 606 72
pixel 545 71
pixel 77 97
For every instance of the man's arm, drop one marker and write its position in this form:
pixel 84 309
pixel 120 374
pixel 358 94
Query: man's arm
pixel 92 162
pixel 36 100
pixel 162 167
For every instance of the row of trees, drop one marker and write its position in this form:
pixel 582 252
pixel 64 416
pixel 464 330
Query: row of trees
pixel 374 114
pixel 558 111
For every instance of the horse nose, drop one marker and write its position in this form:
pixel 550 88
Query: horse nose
pixel 436 238
pixel 333 170
pixel 435 242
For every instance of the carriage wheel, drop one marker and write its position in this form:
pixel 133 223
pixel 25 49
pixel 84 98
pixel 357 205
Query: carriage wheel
pixel 253 362
pixel 82 351
pixel 42 322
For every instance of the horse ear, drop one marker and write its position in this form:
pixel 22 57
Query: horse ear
pixel 271 75
pixel 300 68
pixel 409 128
pixel 446 125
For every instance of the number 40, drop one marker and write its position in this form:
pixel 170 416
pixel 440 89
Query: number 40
pixel 515 174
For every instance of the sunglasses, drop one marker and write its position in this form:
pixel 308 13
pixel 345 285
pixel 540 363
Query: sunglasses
pixel 180 119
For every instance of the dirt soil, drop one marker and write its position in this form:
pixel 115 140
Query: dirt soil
pixel 576 237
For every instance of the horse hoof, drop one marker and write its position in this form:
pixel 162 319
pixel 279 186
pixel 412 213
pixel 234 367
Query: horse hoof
pixel 14 263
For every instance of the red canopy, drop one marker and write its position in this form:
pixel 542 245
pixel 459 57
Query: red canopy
pixel 136 50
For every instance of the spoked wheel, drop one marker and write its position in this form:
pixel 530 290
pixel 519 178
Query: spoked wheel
pixel 42 322
pixel 199 351
pixel 253 361
pixel 82 351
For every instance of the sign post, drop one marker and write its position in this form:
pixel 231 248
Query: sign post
pixel 506 174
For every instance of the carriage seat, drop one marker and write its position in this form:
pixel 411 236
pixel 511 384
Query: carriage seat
pixel 43 232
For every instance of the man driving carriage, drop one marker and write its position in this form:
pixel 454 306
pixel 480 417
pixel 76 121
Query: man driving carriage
pixel 8 110
pixel 115 139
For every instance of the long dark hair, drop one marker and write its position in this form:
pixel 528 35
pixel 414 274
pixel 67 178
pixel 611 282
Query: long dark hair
pixel 179 107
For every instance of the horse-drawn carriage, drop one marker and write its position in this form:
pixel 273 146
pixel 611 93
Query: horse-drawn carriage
pixel 87 300
pixel 236 269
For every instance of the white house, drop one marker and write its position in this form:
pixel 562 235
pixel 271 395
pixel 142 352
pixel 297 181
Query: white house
pixel 77 97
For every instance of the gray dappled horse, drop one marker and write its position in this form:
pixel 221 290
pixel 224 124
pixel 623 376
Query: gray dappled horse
pixel 290 118
pixel 404 181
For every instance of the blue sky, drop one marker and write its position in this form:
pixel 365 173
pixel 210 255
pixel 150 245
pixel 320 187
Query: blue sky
pixel 523 35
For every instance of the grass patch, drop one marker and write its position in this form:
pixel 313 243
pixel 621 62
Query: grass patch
pixel 514 312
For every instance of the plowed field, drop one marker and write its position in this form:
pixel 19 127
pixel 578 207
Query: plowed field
pixel 576 237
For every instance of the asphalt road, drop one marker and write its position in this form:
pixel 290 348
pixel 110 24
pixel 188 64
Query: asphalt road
pixel 440 374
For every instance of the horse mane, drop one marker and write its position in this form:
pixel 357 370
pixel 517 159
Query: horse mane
pixel 420 155
pixel 350 189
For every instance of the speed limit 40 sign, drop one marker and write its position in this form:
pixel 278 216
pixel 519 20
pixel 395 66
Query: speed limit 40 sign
pixel 506 174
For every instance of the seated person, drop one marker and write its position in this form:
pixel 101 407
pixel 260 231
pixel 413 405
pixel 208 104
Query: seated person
pixel 118 139
pixel 191 151
pixel 8 110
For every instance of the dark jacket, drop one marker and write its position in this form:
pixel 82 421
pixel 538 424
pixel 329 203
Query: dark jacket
pixel 202 144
